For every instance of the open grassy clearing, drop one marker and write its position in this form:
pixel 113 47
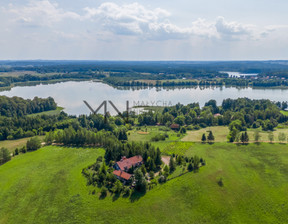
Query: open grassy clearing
pixel 11 145
pixel 177 148
pixel 47 186
pixel 145 134
pixel 284 112
pixel 157 109
pixel 220 133
pixel 50 112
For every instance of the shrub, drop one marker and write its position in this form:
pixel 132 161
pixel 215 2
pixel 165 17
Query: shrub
pixel 183 130
pixel 190 167
pixel 162 179
pixel 158 137
pixel 190 127
pixel 103 191
pixel 99 159
pixel 33 144
pixel 126 191
pixel 4 155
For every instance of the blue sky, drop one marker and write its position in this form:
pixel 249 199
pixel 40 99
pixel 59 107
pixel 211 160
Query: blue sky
pixel 144 30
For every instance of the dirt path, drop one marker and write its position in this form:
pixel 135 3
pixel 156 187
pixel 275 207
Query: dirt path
pixel 166 160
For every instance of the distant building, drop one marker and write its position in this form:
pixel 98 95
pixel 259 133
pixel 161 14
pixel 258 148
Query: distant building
pixel 175 126
pixel 217 115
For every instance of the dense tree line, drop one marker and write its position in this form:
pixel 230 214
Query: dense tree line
pixel 25 126
pixel 17 106
pixel 240 113
pixel 6 81
pixel 129 73
pixel 14 123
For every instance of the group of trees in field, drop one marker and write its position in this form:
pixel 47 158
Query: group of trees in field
pixel 244 138
pixel 151 155
pixel 101 173
pixel 187 164
pixel 210 138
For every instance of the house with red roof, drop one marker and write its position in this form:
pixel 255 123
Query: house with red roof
pixel 126 163
pixel 175 126
pixel 123 166
pixel 121 175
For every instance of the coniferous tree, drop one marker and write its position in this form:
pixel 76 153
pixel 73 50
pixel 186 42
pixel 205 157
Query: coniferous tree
pixel 210 137
pixel 246 137
pixel 158 160
pixel 203 139
pixel 172 165
pixel 140 182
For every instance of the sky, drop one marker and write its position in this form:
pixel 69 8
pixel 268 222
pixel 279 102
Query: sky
pixel 144 30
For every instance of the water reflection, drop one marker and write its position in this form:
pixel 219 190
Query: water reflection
pixel 70 95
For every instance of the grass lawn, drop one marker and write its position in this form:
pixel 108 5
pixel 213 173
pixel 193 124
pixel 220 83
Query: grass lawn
pixel 177 148
pixel 50 112
pixel 11 145
pixel 46 186
pixel 220 133
pixel 284 112
pixel 145 134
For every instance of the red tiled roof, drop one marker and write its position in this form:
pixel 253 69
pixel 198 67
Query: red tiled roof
pixel 175 126
pixel 122 174
pixel 127 163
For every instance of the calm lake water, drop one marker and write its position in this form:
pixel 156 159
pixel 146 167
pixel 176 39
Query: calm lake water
pixel 70 95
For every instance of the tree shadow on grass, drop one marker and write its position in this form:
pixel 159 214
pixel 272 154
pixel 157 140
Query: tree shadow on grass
pixel 115 196
pixel 101 197
pixel 136 195
pixel 125 195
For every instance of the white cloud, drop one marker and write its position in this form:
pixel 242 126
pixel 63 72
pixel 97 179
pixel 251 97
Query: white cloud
pixel 40 13
pixel 126 19
pixel 233 30
pixel 135 19
pixel 132 19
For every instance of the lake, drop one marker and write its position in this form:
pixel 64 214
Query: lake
pixel 70 95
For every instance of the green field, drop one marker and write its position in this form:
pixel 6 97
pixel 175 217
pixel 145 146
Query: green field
pixel 145 134
pixel 46 186
pixel 11 145
pixel 284 112
pixel 220 133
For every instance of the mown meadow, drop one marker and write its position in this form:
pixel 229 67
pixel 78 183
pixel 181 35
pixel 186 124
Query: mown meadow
pixel 46 186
